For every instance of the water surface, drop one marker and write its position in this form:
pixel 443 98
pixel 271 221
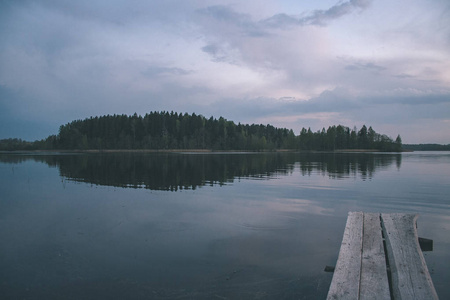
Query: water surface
pixel 203 226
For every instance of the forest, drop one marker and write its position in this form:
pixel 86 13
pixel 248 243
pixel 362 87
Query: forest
pixel 426 147
pixel 164 130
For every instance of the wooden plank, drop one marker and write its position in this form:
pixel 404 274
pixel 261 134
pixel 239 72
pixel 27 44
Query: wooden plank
pixel 409 272
pixel 346 278
pixel 374 277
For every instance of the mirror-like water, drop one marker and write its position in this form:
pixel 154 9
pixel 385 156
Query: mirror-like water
pixel 203 226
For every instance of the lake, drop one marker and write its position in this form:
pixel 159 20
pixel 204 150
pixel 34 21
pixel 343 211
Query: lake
pixel 203 225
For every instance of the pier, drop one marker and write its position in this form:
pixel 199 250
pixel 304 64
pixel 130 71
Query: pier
pixel 381 258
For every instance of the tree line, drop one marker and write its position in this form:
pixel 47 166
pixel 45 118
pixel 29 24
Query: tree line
pixel 426 147
pixel 164 130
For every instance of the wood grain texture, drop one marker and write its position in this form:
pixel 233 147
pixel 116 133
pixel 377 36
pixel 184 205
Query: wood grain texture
pixel 374 278
pixel 346 279
pixel 362 267
pixel 410 276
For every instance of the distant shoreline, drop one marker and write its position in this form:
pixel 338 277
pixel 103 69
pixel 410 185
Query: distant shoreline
pixel 196 151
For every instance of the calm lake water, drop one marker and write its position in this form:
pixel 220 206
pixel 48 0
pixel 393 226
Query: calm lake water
pixel 203 226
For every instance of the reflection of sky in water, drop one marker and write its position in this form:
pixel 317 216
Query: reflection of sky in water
pixel 267 238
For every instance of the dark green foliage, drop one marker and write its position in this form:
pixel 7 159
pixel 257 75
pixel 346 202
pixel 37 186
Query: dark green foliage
pixel 343 138
pixel 164 130
pixel 49 143
pixel 16 144
pixel 426 147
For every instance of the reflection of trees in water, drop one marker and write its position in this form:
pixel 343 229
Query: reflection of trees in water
pixel 174 171
pixel 342 165
pixel 168 171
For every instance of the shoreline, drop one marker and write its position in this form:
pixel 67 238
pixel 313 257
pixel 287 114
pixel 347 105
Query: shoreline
pixel 197 151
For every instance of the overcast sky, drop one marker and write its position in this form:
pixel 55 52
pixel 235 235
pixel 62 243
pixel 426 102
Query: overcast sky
pixel 287 63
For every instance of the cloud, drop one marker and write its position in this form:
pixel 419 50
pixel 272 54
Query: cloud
pixel 404 76
pixel 156 71
pixel 358 66
pixel 289 60
pixel 317 17
pixel 225 16
pixel 296 58
pixel 219 53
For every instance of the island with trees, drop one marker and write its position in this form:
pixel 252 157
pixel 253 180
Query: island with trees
pixel 171 130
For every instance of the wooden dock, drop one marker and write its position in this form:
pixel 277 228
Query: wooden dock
pixel 380 258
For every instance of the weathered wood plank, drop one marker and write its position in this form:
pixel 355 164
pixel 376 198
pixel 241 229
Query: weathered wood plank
pixel 374 278
pixel 346 279
pixel 410 276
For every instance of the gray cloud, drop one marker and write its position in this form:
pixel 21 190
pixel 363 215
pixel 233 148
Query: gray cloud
pixel 404 76
pixel 358 66
pixel 217 53
pixel 227 16
pixel 155 71
pixel 248 27
pixel 318 17
pixel 237 39
pixel 321 17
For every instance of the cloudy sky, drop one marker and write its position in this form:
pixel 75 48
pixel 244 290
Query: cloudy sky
pixel 288 63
